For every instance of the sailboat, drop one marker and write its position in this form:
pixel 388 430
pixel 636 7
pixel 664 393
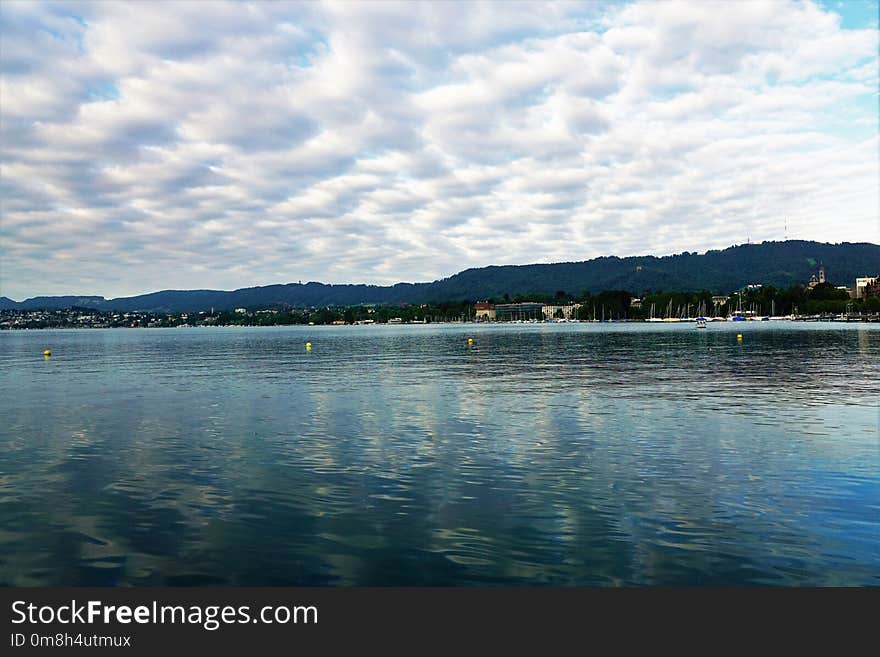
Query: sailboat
pixel 701 320
pixel 669 317
pixel 738 315
pixel 773 314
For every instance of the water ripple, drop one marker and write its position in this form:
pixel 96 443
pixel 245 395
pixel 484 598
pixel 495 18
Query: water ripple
pixel 542 454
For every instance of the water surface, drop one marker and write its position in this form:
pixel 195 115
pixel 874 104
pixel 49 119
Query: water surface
pixel 580 454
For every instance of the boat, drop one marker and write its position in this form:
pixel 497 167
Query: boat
pixel 652 318
pixel 669 315
pixel 701 322
pixel 738 315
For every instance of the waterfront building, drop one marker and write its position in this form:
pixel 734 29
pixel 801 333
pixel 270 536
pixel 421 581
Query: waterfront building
pixel 567 311
pixel 484 311
pixel 862 284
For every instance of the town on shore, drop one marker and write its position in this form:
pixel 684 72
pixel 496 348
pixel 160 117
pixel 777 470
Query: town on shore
pixel 816 300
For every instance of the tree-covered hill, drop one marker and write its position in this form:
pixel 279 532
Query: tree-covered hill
pixel 781 264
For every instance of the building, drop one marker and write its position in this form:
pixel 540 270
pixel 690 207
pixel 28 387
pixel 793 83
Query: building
pixel 567 311
pixel 872 289
pixel 817 280
pixel 484 311
pixel 519 311
pixel 635 302
pixel 862 284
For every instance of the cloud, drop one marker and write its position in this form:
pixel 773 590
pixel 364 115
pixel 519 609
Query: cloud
pixel 190 145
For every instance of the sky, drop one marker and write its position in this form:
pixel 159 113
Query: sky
pixel 148 146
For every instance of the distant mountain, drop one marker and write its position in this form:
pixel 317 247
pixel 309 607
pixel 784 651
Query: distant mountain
pixel 51 303
pixel 782 264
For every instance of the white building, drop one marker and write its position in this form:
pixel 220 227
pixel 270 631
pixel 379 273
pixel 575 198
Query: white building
pixel 861 284
pixel 568 311
pixel 484 311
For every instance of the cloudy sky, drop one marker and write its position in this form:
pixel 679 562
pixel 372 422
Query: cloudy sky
pixel 162 145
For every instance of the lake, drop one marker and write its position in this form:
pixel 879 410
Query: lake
pixel 547 454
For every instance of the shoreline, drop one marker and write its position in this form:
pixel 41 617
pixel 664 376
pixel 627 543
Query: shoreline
pixel 799 320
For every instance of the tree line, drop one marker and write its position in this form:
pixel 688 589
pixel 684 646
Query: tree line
pixel 608 305
pixel 763 300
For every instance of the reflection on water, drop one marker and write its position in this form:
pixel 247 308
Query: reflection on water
pixel 543 454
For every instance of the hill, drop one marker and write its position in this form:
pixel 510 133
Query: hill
pixel 782 264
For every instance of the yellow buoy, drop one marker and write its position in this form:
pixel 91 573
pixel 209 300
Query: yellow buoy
pixel 470 340
pixel 47 352
pixel 308 345
pixel 739 336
